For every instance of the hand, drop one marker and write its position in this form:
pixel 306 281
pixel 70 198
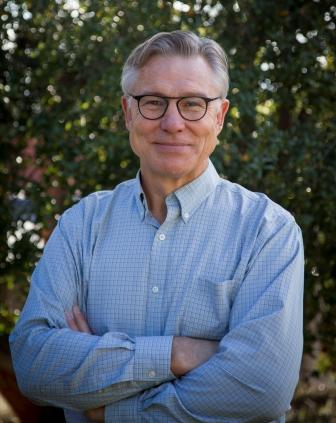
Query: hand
pixel 97 415
pixel 77 321
pixel 189 353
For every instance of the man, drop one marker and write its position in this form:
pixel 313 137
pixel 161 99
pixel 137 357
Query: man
pixel 191 286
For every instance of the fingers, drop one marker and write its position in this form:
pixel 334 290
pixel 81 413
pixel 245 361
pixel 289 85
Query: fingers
pixel 71 321
pixel 80 320
pixel 96 415
pixel 76 320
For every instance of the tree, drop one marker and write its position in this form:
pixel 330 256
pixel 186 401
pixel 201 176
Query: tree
pixel 63 134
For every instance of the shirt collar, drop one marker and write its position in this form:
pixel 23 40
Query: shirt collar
pixel 140 197
pixel 193 194
pixel 189 197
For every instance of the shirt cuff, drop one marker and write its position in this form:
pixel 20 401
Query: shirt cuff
pixel 152 358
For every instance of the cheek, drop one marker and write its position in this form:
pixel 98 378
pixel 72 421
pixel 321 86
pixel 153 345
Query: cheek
pixel 141 128
pixel 140 133
pixel 210 146
pixel 208 138
pixel 134 144
pixel 135 134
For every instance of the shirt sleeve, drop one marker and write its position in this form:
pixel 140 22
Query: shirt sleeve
pixel 254 373
pixel 55 365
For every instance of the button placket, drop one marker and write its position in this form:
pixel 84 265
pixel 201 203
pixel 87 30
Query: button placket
pixel 158 264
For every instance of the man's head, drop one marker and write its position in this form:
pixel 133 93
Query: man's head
pixel 174 105
pixel 177 43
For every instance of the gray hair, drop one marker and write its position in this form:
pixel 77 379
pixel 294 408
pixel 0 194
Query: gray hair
pixel 180 43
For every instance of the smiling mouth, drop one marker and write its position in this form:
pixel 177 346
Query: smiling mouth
pixel 169 147
pixel 170 144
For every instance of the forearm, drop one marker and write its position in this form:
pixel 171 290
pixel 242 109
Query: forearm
pixel 234 386
pixel 189 353
pixel 197 400
pixel 58 366
pixel 251 378
pixel 225 387
pixel 81 371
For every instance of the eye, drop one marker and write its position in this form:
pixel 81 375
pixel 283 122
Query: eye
pixel 193 103
pixel 150 101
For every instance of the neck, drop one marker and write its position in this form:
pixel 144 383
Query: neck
pixel 156 193
pixel 157 189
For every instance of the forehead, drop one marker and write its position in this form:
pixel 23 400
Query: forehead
pixel 176 76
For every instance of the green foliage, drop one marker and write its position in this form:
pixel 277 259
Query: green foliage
pixel 62 131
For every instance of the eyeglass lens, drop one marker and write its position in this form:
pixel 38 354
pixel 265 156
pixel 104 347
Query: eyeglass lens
pixel 190 108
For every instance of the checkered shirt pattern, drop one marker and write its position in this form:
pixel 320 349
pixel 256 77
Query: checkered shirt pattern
pixel 226 265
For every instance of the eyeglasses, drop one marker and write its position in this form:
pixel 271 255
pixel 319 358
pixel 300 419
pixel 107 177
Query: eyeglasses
pixel 192 108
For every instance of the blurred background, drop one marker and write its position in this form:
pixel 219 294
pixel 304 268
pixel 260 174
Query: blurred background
pixel 62 136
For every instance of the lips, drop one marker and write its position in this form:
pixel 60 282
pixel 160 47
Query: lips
pixel 172 147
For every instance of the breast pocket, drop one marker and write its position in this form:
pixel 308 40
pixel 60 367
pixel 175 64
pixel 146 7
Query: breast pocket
pixel 207 308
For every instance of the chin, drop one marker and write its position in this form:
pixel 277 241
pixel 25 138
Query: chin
pixel 177 171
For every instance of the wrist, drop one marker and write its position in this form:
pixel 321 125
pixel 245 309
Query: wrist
pixel 178 356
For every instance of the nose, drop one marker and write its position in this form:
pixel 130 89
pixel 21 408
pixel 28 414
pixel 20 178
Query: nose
pixel 172 121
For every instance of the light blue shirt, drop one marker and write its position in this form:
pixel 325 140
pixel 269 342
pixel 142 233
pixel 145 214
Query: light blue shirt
pixel 226 264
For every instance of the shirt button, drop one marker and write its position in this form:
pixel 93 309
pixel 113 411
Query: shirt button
pixel 155 289
pixel 186 215
pixel 162 237
pixel 151 373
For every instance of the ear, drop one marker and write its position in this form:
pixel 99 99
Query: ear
pixel 127 111
pixel 220 117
